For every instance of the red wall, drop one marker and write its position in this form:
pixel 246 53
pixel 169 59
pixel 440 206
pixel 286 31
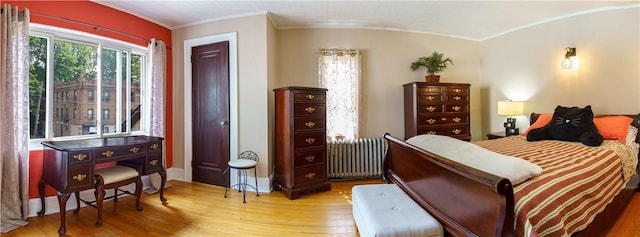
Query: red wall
pixel 93 13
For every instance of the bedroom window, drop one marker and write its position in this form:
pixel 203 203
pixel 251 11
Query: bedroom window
pixel 339 72
pixel 68 69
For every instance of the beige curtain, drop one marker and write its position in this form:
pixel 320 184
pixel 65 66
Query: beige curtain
pixel 14 118
pixel 157 78
pixel 339 72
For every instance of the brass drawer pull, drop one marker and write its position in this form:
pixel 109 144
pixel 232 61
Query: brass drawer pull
pixel 310 158
pixel 107 153
pixel 310 97
pixel 80 177
pixel 134 149
pixel 310 124
pixel 310 175
pixel 431 108
pixel 153 162
pixel 310 109
pixel 431 121
pixel 310 140
pixel 457 131
pixel 456 108
pixel 457 120
pixel 457 90
pixel 154 146
pixel 457 98
pixel 431 132
pixel 430 97
pixel 432 90
pixel 80 157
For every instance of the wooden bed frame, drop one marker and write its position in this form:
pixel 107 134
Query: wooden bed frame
pixel 470 202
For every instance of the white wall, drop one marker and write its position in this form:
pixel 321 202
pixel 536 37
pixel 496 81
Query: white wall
pixel 386 57
pixel 525 65
pixel 253 93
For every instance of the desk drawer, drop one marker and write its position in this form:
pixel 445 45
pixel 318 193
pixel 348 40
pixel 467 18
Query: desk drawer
pixel 80 178
pixel 80 157
pixel 315 157
pixel 153 163
pixel 312 139
pixel 119 151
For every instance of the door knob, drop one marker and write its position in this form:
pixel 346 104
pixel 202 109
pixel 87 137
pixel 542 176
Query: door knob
pixel 224 123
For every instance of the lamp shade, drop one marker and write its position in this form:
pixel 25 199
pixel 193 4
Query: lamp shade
pixel 511 108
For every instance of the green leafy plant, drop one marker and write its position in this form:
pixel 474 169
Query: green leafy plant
pixel 433 64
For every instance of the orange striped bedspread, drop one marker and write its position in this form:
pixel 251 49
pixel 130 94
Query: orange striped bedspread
pixel 576 183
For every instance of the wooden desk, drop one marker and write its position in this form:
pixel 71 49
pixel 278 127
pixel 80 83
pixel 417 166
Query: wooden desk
pixel 68 166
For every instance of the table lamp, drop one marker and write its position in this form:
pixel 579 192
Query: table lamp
pixel 510 108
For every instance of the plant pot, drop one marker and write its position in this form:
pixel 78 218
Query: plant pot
pixel 432 78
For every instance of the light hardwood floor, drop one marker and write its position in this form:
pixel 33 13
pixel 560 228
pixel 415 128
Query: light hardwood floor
pixel 197 209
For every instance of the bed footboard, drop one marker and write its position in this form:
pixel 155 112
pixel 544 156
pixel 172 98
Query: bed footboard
pixel 468 202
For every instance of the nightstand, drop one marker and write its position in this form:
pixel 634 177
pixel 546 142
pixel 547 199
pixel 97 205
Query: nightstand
pixel 495 135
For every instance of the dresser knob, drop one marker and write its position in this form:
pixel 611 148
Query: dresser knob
pixel 310 97
pixel 431 108
pixel 107 153
pixel 153 162
pixel 310 175
pixel 310 124
pixel 80 157
pixel 310 158
pixel 80 177
pixel 457 131
pixel 310 109
pixel 457 98
pixel 456 108
pixel 154 146
pixel 431 121
pixel 134 149
pixel 310 140
pixel 457 120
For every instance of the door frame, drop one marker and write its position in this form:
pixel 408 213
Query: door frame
pixel 233 97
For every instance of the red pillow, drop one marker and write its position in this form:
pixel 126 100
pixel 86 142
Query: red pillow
pixel 613 127
pixel 543 119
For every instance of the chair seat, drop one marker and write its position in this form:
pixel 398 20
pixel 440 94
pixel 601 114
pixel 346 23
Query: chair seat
pixel 116 173
pixel 242 164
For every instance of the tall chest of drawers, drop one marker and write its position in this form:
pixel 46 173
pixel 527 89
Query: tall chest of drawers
pixel 437 108
pixel 300 141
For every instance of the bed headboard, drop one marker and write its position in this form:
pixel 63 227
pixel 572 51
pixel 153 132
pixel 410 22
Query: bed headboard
pixel 635 123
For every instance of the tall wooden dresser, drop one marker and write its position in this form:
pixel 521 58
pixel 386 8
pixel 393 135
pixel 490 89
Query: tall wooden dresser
pixel 300 141
pixel 437 108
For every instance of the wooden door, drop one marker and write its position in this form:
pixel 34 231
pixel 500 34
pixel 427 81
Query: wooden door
pixel 210 102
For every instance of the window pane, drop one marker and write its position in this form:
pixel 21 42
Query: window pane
pixel 37 86
pixel 75 71
pixel 110 76
pixel 137 68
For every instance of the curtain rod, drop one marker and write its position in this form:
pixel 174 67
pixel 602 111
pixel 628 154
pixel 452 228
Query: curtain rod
pixel 96 27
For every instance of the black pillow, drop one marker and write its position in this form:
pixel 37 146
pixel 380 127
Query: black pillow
pixel 569 124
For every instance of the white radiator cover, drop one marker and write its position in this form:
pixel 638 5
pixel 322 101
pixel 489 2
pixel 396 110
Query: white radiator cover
pixel 358 158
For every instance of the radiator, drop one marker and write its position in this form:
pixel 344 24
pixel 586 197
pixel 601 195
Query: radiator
pixel 359 158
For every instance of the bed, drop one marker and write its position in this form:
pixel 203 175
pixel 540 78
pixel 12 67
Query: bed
pixel 471 202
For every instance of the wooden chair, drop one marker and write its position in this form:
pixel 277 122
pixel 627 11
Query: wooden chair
pixel 112 178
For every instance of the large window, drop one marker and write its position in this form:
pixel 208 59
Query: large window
pixel 339 72
pixel 67 69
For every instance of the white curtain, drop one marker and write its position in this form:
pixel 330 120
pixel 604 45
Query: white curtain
pixel 14 118
pixel 339 72
pixel 157 78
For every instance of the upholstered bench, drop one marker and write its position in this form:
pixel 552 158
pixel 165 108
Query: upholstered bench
pixel 386 210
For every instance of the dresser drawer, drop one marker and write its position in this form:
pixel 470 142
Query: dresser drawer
pixel 306 123
pixel 309 97
pixel 80 177
pixel 119 151
pixel 308 110
pixel 458 98
pixel 447 130
pixel 425 99
pixel 80 157
pixel 433 109
pixel 456 108
pixel 311 174
pixel 457 90
pixel 439 119
pixel 316 157
pixel 424 90
pixel 306 140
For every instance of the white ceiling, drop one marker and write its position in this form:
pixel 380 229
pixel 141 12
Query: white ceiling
pixel 474 20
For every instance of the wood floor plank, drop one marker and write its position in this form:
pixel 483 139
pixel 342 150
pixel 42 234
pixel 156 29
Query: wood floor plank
pixel 197 209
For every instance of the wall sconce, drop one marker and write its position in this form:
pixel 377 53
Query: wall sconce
pixel 510 108
pixel 569 57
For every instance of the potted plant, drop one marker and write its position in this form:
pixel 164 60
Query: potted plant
pixel 434 64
